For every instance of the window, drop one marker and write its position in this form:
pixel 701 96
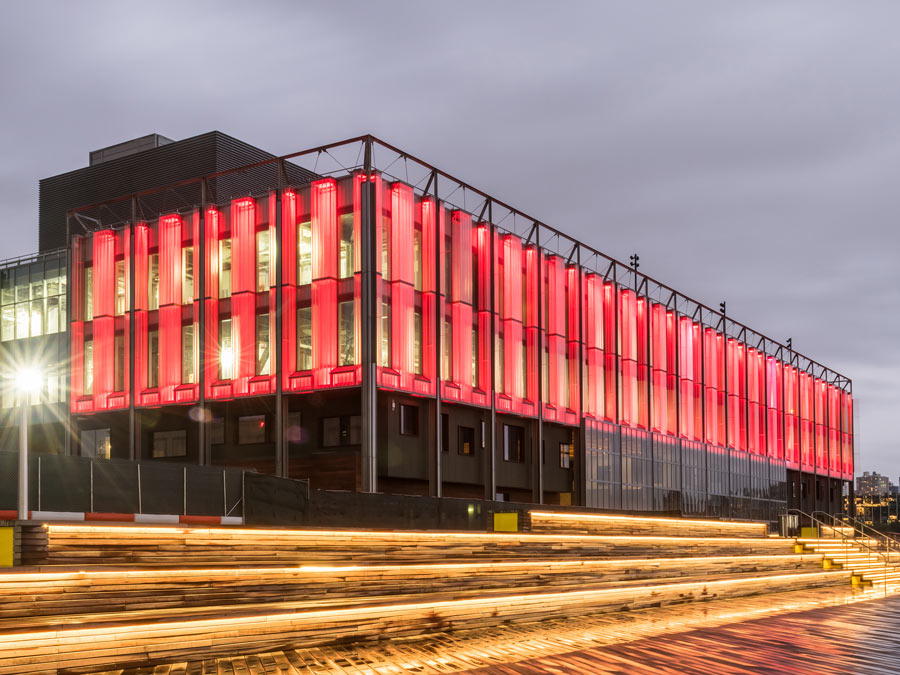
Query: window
pixel 37 317
pixel 22 320
pixel 224 268
pixel 447 349
pixel 88 294
pixel 466 441
pixel 483 434
pixel 153 282
pixel 170 443
pixel 347 343
pixel 187 275
pixel 121 301
pixel 474 358
pixel 304 338
pixel 344 430
pixel 95 443
pixel 445 432
pixel 217 431
pixel 119 367
pixel 417 259
pixel 89 367
pixel 566 455
pixel 187 354
pixel 262 345
pixel 417 343
pixel 226 352
pixel 346 261
pixel 251 429
pixel 153 359
pixel 262 261
pixel 8 328
pixel 385 334
pixel 409 420
pixel 513 443
pixel 304 254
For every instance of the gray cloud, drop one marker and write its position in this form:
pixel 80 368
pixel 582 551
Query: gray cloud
pixel 747 151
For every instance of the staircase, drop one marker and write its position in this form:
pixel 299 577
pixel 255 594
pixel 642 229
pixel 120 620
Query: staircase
pixel 845 543
pixel 95 597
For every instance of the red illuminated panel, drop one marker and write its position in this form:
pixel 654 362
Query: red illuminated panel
pixel 628 354
pixel 687 348
pixel 141 271
pixel 736 354
pixel 427 221
pixel 847 435
pixel 402 276
pixel 774 408
pixel 170 353
pixel 532 322
pixel 807 423
pixel 756 421
pixel 594 386
pixel 714 381
pixel 461 370
pixel 323 217
pixel 76 368
pixel 662 356
pixel 482 300
pixel 511 323
pixel 214 224
pixel 290 207
pixel 834 432
pixel 573 345
pixel 821 428
pixel 791 417
pixel 610 373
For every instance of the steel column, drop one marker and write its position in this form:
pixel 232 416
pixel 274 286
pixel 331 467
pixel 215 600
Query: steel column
pixel 369 412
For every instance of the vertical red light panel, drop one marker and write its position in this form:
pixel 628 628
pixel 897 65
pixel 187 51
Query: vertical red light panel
pixel 686 360
pixel 141 272
pixel 821 433
pixel 642 316
pixel 847 436
pixel 573 345
pixel 532 323
pixel 104 276
pixel 628 353
pixel 323 218
pixel 482 308
pixel 610 353
pixel 557 398
pixel 737 394
pixel 243 292
pixel 807 422
pixel 214 223
pixel 834 439
pixel 594 386
pixel 756 432
pixel 714 382
pixel 170 357
pixel 428 217
pixel 461 303
pixel 791 418
pixel 402 282
pixel 512 260
pixel 774 408
pixel 290 207
pixel 659 365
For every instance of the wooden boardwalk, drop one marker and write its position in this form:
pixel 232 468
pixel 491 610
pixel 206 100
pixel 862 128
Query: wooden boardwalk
pixel 822 631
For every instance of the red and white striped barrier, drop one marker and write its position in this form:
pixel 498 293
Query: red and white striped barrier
pixel 125 517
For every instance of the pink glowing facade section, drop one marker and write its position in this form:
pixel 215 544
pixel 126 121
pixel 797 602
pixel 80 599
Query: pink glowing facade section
pixel 462 309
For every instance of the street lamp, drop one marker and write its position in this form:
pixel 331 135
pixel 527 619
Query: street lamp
pixel 28 383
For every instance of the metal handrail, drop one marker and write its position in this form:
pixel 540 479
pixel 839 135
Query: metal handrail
pixel 869 531
pixel 836 530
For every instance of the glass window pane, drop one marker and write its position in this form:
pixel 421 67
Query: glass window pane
pixel 121 300
pixel 89 367
pixel 224 268
pixel 304 254
pixel 187 354
pixel 153 359
pixel 262 260
pixel 88 293
pixel 187 275
pixel 346 252
pixel 262 344
pixel 8 323
pixel 37 318
pixel 153 282
pixel 347 346
pixel 226 352
pixel 304 338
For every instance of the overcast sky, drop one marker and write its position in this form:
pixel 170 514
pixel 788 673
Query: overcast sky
pixel 748 152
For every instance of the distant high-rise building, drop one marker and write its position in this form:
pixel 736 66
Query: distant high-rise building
pixel 873 483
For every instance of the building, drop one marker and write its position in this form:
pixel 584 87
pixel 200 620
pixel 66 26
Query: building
pixel 372 323
pixel 873 484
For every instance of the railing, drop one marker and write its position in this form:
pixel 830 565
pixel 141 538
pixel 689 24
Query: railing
pixel 836 527
pixel 890 544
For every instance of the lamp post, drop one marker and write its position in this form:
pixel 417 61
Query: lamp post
pixel 28 382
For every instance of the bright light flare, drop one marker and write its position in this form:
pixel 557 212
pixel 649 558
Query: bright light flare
pixel 29 380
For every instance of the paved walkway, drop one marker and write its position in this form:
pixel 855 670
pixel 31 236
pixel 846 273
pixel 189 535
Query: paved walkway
pixel 819 632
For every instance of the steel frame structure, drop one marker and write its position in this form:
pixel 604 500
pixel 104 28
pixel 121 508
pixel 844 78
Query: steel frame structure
pixel 374 155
